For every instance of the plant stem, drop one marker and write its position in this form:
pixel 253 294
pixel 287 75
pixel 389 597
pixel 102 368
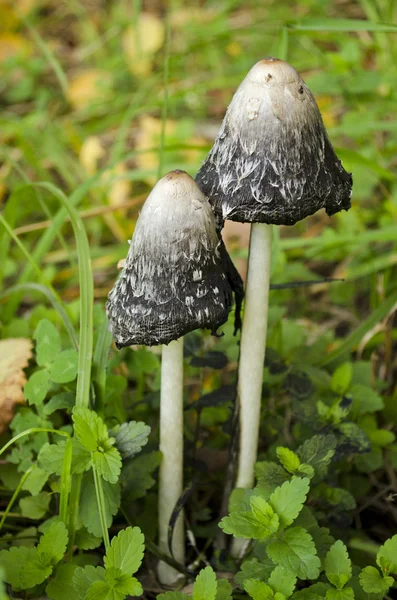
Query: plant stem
pixel 171 446
pixel 100 498
pixel 252 354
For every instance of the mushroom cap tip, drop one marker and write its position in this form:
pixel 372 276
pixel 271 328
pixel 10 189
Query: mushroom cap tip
pixel 273 71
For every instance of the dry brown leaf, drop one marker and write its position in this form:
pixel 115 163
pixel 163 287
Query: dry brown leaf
pixel 14 357
pixel 89 86
pixel 141 42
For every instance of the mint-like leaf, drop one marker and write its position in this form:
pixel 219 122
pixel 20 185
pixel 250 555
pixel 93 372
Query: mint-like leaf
pixel 35 481
pixel 23 568
pixel 224 590
pixel 52 545
pixel 89 517
pixel 83 579
pixel 205 586
pixel 258 590
pixel 338 566
pixel 296 552
pixel 35 507
pixel 64 367
pixel 283 581
pixel 372 581
pixel 126 551
pixel 346 593
pixel 108 464
pixel 318 452
pixel 269 476
pixel 287 500
pixel 89 428
pixel 259 523
pixel 61 586
pixel 290 461
pixel 341 378
pixel 48 342
pixel 130 438
pixel 136 475
pixel 253 569
pixel 387 556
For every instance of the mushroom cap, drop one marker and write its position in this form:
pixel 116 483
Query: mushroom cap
pixel 272 161
pixel 173 280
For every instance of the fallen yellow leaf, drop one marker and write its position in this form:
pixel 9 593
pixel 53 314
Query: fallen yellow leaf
pixel 140 43
pixel 13 44
pixel 90 154
pixel 14 357
pixel 89 86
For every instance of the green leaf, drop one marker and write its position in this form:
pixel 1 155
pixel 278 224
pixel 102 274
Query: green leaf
pixel 83 578
pixel 100 590
pixel 253 569
pixel 108 464
pixel 61 586
pixel 35 507
pixel 296 552
pixel 173 596
pixel 259 523
pixel 48 342
pixel 122 584
pixel 35 481
pixel 64 367
pixel 224 590
pixel 136 475
pixel 322 539
pixel 89 428
pixel 130 438
pixel 342 594
pixel 382 437
pixel 86 540
pixel 205 586
pixel 258 590
pixel 341 378
pixel 50 457
pixel 23 568
pixel 287 500
pixel 365 399
pixel 372 581
pixel 81 458
pixel 338 566
pixel 288 459
pixel 387 556
pixel 283 581
pixel 331 24
pixel 64 400
pixel 126 551
pixel 318 452
pixel 269 476
pixel 317 591
pixel 89 515
pixel 53 543
pixel 36 388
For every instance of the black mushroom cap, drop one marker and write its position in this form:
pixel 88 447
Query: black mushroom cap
pixel 175 278
pixel 272 161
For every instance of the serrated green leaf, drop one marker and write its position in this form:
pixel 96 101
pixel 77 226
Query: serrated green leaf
pixel 282 580
pixel 258 590
pixel 337 564
pixel 89 517
pixel 296 552
pixel 35 481
pixel 48 342
pixel 87 541
pixel 259 523
pixel 341 378
pixel 372 581
pixel 136 475
pixel 50 457
pixel 61 586
pixel 318 452
pixel 387 556
pixel 130 438
pixel 342 594
pixel 22 566
pixel 89 428
pixel 205 586
pixel 64 400
pixel 36 388
pixel 100 590
pixel 253 569
pixel 317 591
pixel 83 578
pixel 224 590
pixel 108 464
pixel 306 470
pixel 322 539
pixel 64 367
pixel 35 507
pixel 52 545
pixel 288 459
pixel 269 476
pixel 365 399
pixel 126 551
pixel 287 500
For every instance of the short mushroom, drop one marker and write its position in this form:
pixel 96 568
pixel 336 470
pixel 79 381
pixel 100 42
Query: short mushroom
pixel 271 163
pixel 176 278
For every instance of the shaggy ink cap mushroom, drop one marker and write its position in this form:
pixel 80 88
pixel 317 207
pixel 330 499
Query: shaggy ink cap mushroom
pixel 272 161
pixel 174 279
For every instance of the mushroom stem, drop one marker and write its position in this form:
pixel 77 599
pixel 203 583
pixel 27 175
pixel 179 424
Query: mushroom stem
pixel 171 446
pixel 252 354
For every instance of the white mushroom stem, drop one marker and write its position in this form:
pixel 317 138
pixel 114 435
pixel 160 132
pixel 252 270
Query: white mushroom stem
pixel 171 446
pixel 252 355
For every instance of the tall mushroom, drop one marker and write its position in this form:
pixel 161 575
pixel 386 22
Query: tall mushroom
pixel 176 278
pixel 272 163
